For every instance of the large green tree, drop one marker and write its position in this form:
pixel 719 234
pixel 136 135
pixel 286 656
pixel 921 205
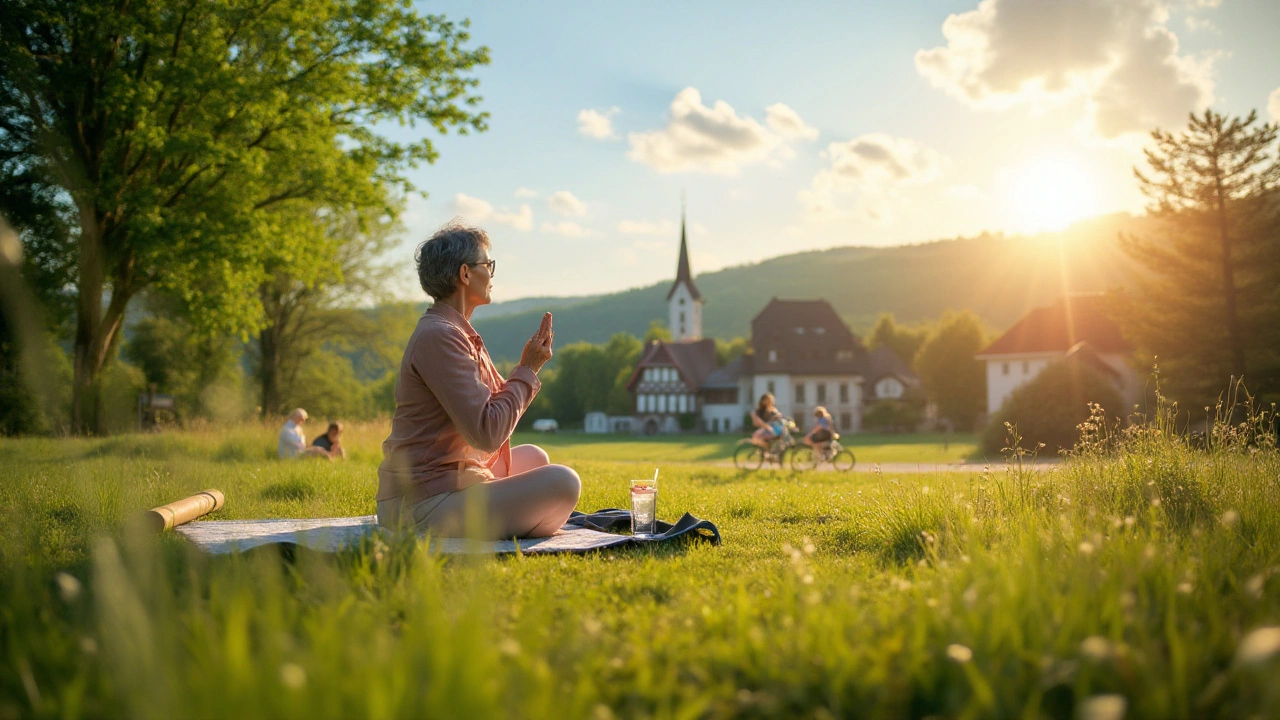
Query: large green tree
pixel 1209 305
pixel 309 293
pixel 175 136
pixel 903 340
pixel 953 379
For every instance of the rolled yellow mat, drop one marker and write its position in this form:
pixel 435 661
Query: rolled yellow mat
pixel 167 517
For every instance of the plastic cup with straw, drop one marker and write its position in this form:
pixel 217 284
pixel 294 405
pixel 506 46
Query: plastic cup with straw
pixel 644 506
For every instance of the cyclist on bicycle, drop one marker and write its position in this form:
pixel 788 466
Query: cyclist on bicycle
pixel 820 437
pixel 768 422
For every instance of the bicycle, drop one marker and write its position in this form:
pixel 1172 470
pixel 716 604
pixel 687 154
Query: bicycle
pixel 749 456
pixel 841 458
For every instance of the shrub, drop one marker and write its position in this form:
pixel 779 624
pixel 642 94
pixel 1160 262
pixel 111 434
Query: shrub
pixel 893 416
pixel 1049 408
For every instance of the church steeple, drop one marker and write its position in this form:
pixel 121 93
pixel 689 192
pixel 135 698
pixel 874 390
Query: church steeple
pixel 683 274
pixel 684 302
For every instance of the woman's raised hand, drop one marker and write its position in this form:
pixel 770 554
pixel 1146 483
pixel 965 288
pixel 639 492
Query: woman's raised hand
pixel 538 350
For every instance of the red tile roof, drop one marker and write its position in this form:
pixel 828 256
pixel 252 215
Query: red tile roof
pixel 1060 326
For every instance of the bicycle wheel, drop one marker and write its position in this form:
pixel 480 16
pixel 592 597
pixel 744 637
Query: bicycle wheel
pixel 844 460
pixel 803 458
pixel 748 457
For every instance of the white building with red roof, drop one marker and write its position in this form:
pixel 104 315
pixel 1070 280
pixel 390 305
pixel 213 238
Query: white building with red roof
pixel 1077 324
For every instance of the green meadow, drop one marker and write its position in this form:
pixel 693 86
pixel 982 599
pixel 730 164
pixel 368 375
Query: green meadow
pixel 1138 579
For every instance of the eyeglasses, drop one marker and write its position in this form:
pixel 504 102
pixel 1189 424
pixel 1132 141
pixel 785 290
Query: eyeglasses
pixel 491 266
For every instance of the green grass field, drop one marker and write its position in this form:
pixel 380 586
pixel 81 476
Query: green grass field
pixel 1140 581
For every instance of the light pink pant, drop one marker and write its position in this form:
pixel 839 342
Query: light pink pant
pixel 532 498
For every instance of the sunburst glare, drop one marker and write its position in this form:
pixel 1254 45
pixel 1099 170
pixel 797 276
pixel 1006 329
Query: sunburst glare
pixel 1050 193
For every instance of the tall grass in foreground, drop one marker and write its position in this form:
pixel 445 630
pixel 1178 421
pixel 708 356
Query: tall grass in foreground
pixel 1139 579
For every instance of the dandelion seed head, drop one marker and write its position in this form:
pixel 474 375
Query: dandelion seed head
pixel 959 653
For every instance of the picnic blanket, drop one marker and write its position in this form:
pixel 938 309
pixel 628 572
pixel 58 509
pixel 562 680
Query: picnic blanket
pixel 583 532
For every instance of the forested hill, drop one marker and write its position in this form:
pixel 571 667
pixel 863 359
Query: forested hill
pixel 997 277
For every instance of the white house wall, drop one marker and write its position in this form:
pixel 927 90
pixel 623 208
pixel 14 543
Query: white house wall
pixel 1006 373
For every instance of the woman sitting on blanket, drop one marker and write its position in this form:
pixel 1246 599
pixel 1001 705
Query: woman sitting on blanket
pixel 767 420
pixel 448 466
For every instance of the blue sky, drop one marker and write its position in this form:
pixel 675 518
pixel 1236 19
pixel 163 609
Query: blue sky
pixel 794 126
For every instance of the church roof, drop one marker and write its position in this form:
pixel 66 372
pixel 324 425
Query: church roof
pixel 683 273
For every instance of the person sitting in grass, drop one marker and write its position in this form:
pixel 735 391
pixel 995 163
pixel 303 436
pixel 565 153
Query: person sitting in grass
pixel 450 445
pixel 768 422
pixel 292 443
pixel 820 436
pixel 331 442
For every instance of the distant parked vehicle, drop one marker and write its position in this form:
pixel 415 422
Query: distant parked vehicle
pixel 548 425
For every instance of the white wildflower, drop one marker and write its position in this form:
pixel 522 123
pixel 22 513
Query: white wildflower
pixel 68 587
pixel 292 675
pixel 1258 646
pixel 1103 707
pixel 959 653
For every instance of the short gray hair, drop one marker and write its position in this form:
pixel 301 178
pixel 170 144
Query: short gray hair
pixel 439 258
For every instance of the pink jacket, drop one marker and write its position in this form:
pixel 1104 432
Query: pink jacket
pixel 454 412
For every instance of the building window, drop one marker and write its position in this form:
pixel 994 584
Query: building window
pixel 1004 368
pixel 773 356
pixel 844 392
pixel 682 319
pixel 799 330
pixel 639 403
pixel 662 403
pixel 799 392
pixel 768 387
pixel 845 419
pixel 844 355
pixel 822 393
pixel 683 404
pixel 820 330
pixel 682 304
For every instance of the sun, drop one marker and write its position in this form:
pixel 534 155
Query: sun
pixel 1049 193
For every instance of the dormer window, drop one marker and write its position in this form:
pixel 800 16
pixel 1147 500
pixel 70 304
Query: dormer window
pixel 682 301
pixel 799 330
pixel 820 330
pixel 773 356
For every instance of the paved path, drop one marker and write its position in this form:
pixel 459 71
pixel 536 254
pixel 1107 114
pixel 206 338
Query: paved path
pixel 902 468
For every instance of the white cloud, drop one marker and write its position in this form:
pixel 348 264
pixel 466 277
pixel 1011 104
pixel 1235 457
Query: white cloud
pixel 787 123
pixel 565 228
pixel 873 168
pixel 1119 56
pixel 596 124
pixel 524 192
pixel 1273 104
pixel 477 210
pixel 565 203
pixel 714 139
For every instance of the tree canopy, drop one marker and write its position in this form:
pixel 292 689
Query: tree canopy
pixel 164 144
pixel 1209 305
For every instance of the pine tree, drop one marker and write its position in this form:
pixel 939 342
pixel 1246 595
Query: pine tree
pixel 1207 308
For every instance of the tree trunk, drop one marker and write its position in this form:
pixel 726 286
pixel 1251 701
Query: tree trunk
pixel 269 370
pixel 1235 343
